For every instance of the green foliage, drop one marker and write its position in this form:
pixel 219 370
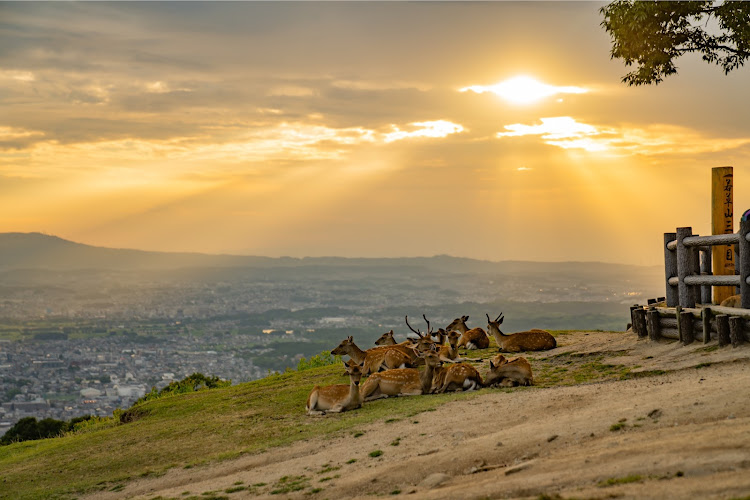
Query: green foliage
pixel 191 383
pixel 28 429
pixel 653 34
pixel 633 478
pixel 325 358
pixel 376 453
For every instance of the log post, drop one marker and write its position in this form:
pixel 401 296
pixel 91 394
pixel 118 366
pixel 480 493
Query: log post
pixel 686 327
pixel 640 320
pixel 678 316
pixel 722 222
pixel 722 329
pixel 632 317
pixel 705 270
pixel 670 269
pixel 744 264
pixel 654 328
pixel 706 318
pixel 684 268
pixel 736 334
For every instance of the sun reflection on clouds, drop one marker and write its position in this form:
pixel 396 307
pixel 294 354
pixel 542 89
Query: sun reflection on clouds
pixel 435 129
pixel 524 90
pixel 659 139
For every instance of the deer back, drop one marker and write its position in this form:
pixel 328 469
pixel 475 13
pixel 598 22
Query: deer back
pixel 516 371
pixel 532 340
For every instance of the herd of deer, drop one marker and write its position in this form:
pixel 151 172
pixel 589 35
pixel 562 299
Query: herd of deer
pixel 391 368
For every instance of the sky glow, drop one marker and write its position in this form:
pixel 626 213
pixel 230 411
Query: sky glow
pixel 360 129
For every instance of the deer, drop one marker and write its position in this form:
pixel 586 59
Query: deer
pixel 449 351
pixel 508 372
pixel 373 360
pixel 733 301
pixel 399 382
pixel 456 377
pixel 336 398
pixel 476 338
pixel 387 339
pixel 530 340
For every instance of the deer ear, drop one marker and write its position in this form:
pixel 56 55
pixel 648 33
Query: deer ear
pixel 465 318
pixel 492 367
pixel 500 322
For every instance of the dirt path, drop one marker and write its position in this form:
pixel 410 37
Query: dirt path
pixel 682 434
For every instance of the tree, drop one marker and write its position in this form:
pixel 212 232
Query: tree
pixel 653 34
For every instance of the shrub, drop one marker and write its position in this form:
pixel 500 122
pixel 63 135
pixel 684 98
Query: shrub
pixel 325 358
pixel 191 383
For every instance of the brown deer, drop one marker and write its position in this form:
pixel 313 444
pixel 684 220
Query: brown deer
pixel 387 339
pixel 476 338
pixel 449 351
pixel 373 360
pixel 733 301
pixel 336 398
pixel 456 377
pixel 530 340
pixel 399 382
pixel 508 372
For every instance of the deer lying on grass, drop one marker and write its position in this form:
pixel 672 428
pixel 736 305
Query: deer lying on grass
pixel 387 339
pixel 336 398
pixel 531 340
pixel 449 351
pixel 733 301
pixel 373 360
pixel 456 377
pixel 399 382
pixel 476 338
pixel 508 372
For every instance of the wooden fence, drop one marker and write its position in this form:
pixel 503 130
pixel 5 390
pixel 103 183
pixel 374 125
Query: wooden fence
pixel 687 313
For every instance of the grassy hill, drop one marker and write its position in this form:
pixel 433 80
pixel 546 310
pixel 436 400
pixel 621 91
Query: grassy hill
pixel 192 429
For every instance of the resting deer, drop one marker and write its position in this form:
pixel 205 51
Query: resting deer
pixel 387 339
pixel 530 340
pixel 336 398
pixel 457 377
pixel 449 351
pixel 733 301
pixel 373 360
pixel 476 338
pixel 508 372
pixel 399 382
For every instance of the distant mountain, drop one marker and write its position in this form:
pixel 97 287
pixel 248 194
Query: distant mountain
pixel 41 251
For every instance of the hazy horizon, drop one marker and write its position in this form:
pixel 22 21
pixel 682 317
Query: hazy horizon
pixel 496 131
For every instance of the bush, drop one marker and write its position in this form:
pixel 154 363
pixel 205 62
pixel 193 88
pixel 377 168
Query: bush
pixel 28 429
pixel 191 383
pixel 325 358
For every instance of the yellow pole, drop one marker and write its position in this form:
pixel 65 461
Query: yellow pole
pixel 722 222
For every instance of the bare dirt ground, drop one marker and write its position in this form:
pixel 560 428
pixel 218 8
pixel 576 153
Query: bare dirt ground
pixel 682 434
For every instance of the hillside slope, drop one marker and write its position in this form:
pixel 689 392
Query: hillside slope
pixel 609 414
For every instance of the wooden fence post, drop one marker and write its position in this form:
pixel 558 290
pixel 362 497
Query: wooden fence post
pixel 722 329
pixel 705 270
pixel 639 318
pixel 744 264
pixel 652 321
pixel 686 327
pixel 736 334
pixel 684 268
pixel 722 222
pixel 706 317
pixel 670 269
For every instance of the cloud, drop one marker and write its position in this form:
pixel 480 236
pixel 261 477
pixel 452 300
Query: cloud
pixel 658 139
pixel 437 128
pixel 524 90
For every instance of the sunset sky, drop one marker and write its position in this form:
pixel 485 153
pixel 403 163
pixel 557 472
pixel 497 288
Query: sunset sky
pixel 491 130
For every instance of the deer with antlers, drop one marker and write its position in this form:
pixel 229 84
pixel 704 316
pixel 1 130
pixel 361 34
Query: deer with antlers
pixel 336 398
pixel 508 372
pixel 373 360
pixel 476 338
pixel 530 340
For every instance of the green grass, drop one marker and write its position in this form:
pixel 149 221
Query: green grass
pixel 633 478
pixel 179 431
pixel 188 430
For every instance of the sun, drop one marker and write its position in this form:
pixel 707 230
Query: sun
pixel 524 90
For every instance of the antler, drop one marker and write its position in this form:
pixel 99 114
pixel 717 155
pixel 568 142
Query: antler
pixel 429 330
pixel 412 329
pixel 498 317
pixel 488 318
